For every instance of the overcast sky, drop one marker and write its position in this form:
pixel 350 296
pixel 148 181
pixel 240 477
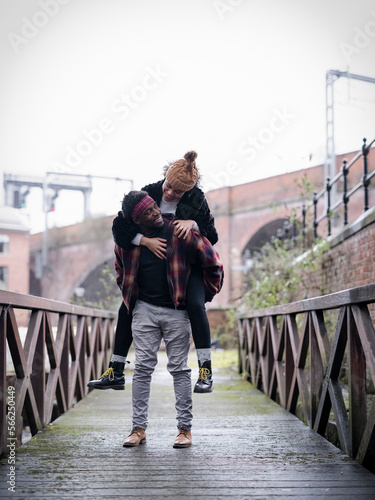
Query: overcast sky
pixel 118 88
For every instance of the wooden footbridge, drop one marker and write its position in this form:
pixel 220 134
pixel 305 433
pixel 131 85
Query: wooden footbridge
pixel 248 442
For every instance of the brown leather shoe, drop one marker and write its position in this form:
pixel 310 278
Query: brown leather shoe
pixel 183 439
pixel 135 438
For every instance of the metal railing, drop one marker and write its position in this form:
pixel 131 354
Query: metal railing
pixel 295 226
pixel 49 360
pixel 325 193
pixel 316 358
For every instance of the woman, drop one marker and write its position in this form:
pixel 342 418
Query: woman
pixel 178 195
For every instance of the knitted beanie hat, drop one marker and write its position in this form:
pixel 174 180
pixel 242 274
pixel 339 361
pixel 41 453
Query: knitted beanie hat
pixel 183 174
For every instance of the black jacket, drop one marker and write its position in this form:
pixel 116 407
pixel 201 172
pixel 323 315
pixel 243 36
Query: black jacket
pixel 193 205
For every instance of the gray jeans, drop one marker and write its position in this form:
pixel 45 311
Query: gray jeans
pixel 150 324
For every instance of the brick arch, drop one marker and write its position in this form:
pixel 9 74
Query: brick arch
pixel 92 266
pixel 70 265
pixel 264 235
pixel 96 291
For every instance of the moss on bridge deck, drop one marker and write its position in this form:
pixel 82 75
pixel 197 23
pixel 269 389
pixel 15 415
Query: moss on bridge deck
pixel 244 447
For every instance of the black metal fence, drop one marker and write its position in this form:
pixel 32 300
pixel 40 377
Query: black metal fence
pixel 325 193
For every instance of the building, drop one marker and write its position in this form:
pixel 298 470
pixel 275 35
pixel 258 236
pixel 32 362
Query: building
pixel 14 251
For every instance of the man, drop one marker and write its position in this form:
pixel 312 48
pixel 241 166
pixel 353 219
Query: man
pixel 153 289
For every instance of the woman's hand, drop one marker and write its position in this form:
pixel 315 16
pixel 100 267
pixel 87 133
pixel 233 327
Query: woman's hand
pixel 183 227
pixel 158 246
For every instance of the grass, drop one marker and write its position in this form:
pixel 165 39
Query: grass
pixel 221 358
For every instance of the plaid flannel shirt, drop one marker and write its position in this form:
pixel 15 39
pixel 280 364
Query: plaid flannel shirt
pixel 181 253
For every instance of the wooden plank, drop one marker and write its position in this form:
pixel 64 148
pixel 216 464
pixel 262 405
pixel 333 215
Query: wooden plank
pixel 291 337
pixel 15 344
pixel 331 395
pixel 50 392
pixel 357 387
pixel 270 352
pixel 316 364
pixel 303 387
pixel 366 450
pixel 38 368
pixel 32 337
pixel 265 359
pixel 321 335
pixel 324 408
pixel 299 385
pixel 341 417
pixel 50 343
pixel 366 332
pixel 32 410
pixel 64 345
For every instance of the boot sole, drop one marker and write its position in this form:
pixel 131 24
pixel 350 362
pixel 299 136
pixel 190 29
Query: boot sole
pixel 142 441
pixel 182 445
pixel 115 388
pixel 199 391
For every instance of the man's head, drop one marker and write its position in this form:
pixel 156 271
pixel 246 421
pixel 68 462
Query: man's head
pixel 144 211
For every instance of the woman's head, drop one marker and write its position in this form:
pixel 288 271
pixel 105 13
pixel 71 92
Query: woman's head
pixel 180 177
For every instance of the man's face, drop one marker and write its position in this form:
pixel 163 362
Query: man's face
pixel 150 219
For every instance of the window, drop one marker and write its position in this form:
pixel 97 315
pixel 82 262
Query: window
pixel 4 243
pixel 3 278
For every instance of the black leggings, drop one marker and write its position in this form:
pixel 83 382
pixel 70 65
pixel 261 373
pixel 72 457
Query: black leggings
pixel 195 306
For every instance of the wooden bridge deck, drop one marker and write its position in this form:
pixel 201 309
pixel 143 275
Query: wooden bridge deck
pixel 244 447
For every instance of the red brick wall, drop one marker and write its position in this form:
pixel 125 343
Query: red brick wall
pixel 351 261
pixel 17 261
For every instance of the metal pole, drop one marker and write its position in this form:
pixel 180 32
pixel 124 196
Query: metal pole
pixel 345 198
pixel 45 232
pixel 304 225
pixel 328 189
pixel 315 200
pixel 330 161
pixel 365 179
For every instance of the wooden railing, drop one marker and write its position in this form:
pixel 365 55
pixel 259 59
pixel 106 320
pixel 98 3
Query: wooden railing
pixel 62 347
pixel 316 358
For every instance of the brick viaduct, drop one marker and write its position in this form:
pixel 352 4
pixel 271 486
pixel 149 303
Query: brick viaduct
pixel 246 216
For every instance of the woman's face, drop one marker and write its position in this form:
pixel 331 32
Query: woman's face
pixel 170 194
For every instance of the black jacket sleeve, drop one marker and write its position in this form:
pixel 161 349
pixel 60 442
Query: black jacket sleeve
pixel 206 223
pixel 193 205
pixel 123 231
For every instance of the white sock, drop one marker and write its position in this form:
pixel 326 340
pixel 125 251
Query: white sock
pixel 118 358
pixel 204 354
